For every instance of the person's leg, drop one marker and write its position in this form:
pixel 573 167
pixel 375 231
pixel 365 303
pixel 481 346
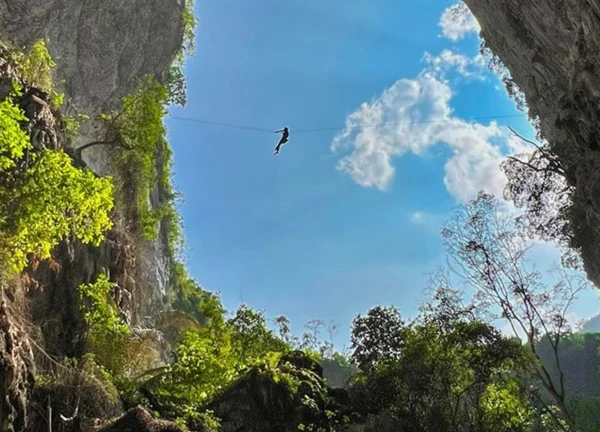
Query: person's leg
pixel 279 144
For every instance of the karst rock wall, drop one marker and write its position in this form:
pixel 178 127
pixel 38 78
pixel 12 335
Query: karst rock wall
pixel 552 50
pixel 101 48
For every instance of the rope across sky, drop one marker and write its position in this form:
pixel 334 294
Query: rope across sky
pixel 337 128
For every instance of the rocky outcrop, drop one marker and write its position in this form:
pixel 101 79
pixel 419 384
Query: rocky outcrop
pixel 51 286
pixel 16 369
pixel 288 398
pixel 552 50
pixel 17 365
pixel 140 420
pixel 102 49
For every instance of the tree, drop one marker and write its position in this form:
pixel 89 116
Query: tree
pixel 536 184
pixel 487 248
pixel 310 338
pixel 138 132
pixel 376 336
pixel 51 202
pixel 44 198
pixel 285 332
pixel 250 337
pixel 208 359
pixel 189 297
pixel 445 307
pixel 106 334
pixel 447 378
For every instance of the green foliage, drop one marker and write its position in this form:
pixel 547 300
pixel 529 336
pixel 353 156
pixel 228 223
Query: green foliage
pixel 377 336
pixel 441 375
pixel 302 396
pixel 106 336
pixel 73 123
pixel 58 99
pixel 341 359
pixel 202 421
pixel 189 26
pixel 13 140
pixel 209 359
pixel 43 197
pixel 191 299
pixel 142 135
pixel 48 201
pixel 504 407
pixel 36 68
pixel 141 132
pixel 175 81
pixel 170 215
pixel 203 366
pixel 587 414
pixel 250 337
pixel 551 421
pixel 488 248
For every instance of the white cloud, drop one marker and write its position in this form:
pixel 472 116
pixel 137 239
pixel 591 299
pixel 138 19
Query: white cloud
pixel 457 21
pixel 448 60
pixel 410 117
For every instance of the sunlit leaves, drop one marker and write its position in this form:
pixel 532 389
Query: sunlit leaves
pixel 141 134
pixel 13 140
pixel 504 408
pixel 251 339
pixel 53 201
pixel 36 67
pixel 439 378
pixel 106 335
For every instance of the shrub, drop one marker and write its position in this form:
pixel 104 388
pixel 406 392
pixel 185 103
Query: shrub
pixel 107 335
pixel 141 132
pixel 13 140
pixel 49 202
pixel 36 68
pixel 52 201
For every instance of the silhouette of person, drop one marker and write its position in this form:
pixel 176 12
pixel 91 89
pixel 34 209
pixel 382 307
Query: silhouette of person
pixel 284 138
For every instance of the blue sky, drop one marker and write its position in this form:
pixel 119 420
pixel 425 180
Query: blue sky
pixel 337 223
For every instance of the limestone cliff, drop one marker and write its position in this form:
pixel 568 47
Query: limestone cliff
pixel 552 50
pixel 101 49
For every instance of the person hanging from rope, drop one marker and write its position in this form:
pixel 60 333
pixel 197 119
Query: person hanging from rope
pixel 284 138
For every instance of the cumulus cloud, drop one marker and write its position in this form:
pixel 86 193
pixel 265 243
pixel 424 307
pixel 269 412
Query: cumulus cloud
pixel 410 117
pixel 448 60
pixel 457 21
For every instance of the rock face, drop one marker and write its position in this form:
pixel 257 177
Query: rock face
pixel 284 399
pixel 139 420
pixel 101 49
pixel 16 369
pixel 552 49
